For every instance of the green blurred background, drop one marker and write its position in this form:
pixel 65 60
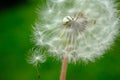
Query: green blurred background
pixel 16 20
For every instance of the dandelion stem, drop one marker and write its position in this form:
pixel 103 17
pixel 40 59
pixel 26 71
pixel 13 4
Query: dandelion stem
pixel 64 68
pixel 38 72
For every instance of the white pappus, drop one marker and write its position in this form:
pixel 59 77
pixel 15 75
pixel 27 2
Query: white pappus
pixel 80 29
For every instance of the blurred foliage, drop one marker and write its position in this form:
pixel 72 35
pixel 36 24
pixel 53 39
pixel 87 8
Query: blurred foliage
pixel 15 41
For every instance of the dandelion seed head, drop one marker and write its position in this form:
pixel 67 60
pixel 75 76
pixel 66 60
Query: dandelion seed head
pixel 36 58
pixel 82 29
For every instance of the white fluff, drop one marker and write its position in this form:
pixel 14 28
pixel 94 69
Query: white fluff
pixel 99 33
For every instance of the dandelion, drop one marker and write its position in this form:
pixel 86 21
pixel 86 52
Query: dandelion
pixel 36 58
pixel 75 30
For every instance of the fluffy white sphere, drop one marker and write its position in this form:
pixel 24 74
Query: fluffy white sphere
pixel 80 29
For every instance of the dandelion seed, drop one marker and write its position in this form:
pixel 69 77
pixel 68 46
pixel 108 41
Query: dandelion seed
pixel 36 58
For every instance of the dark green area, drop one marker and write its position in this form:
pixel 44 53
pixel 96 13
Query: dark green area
pixel 15 42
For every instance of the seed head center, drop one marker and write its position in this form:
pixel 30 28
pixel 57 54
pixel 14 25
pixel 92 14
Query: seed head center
pixel 75 23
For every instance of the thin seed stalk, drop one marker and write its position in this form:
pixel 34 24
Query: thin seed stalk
pixel 38 72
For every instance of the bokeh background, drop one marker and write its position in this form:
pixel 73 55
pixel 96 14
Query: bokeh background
pixel 16 20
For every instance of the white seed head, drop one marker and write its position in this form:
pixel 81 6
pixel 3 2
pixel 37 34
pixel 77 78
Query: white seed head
pixel 82 29
pixel 36 57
